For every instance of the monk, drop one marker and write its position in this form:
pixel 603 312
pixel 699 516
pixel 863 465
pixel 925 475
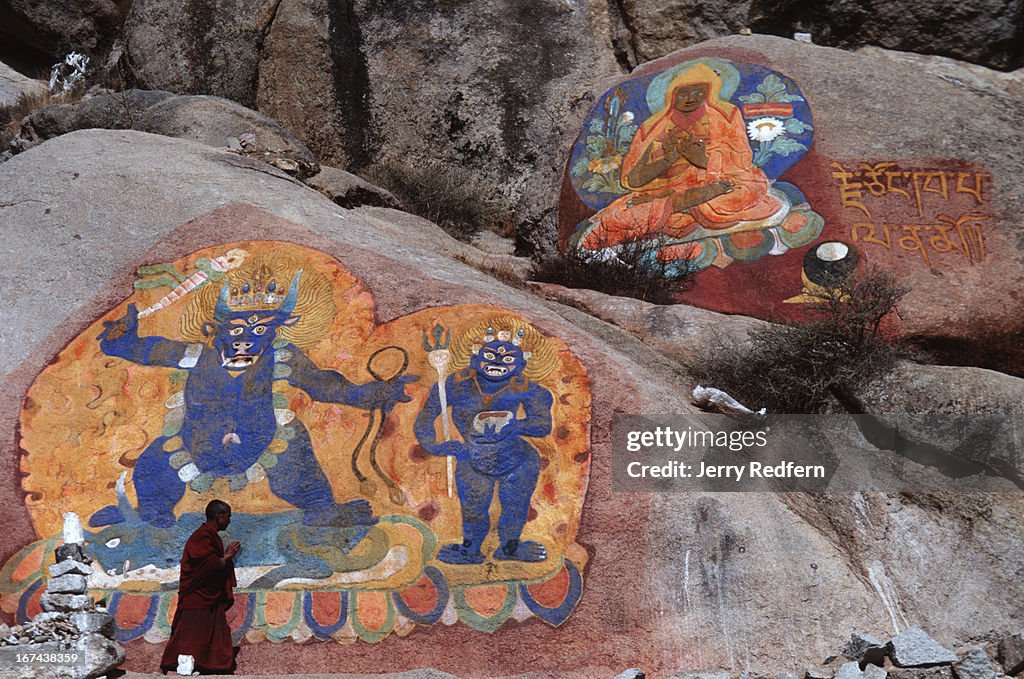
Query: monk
pixel 200 636
pixel 689 165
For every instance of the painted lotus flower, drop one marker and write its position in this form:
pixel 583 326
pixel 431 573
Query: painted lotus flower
pixel 605 164
pixel 765 129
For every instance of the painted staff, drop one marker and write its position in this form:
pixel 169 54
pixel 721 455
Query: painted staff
pixel 438 356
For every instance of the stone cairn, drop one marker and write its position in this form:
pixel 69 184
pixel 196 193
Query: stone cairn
pixel 71 624
pixel 911 654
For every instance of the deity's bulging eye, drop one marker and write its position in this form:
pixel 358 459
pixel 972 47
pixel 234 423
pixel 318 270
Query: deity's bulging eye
pixel 235 332
pixel 509 359
pixel 489 356
pixel 259 330
pixel 112 543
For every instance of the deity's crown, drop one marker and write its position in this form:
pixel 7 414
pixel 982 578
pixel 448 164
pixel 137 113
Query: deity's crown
pixel 258 291
pixel 515 338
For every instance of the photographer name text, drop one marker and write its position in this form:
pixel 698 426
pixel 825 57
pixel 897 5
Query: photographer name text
pixel 737 472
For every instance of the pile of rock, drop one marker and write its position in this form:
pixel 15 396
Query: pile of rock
pixel 912 654
pixel 45 627
pixel 72 638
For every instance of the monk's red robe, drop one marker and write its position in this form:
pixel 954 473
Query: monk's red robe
pixel 200 625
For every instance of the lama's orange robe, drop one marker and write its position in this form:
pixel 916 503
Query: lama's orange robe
pixel 719 125
pixel 205 592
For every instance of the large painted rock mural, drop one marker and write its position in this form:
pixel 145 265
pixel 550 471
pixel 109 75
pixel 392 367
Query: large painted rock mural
pixel 428 471
pixel 688 159
pixel 708 160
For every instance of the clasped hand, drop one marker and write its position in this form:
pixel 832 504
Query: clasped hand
pixel 684 145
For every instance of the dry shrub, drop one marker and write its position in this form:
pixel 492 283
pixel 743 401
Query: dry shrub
pixel 495 267
pixel 454 198
pixel 27 103
pixel 810 367
pixel 634 271
pixel 12 114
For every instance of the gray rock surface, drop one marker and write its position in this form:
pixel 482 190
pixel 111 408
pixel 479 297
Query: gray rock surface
pixel 297 84
pixel 820 672
pixel 975 664
pixel 657 27
pixel 199 47
pixel 677 331
pixel 852 670
pixel 67 566
pixel 99 623
pixel 913 647
pixel 631 673
pixel 67 602
pixel 974 415
pixel 1011 653
pixel 347 190
pixel 72 583
pixel 849 670
pixel 942 672
pixel 101 655
pixel 210 120
pixel 14 85
pixel 982 32
pixel 865 649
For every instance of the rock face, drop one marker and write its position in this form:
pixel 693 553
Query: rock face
pixel 668 572
pixel 348 190
pixel 501 80
pixel 210 120
pixel 656 28
pixel 865 649
pixel 13 85
pixel 976 275
pixel 914 648
pixel 44 32
pixel 982 32
pixel 1011 653
pixel 852 670
pixel 676 331
pixel 199 47
pixel 975 665
pixel 974 414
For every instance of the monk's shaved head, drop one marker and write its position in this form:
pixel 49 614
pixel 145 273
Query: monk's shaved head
pixel 216 508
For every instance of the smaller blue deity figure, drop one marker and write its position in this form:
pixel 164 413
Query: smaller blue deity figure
pixel 494 408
